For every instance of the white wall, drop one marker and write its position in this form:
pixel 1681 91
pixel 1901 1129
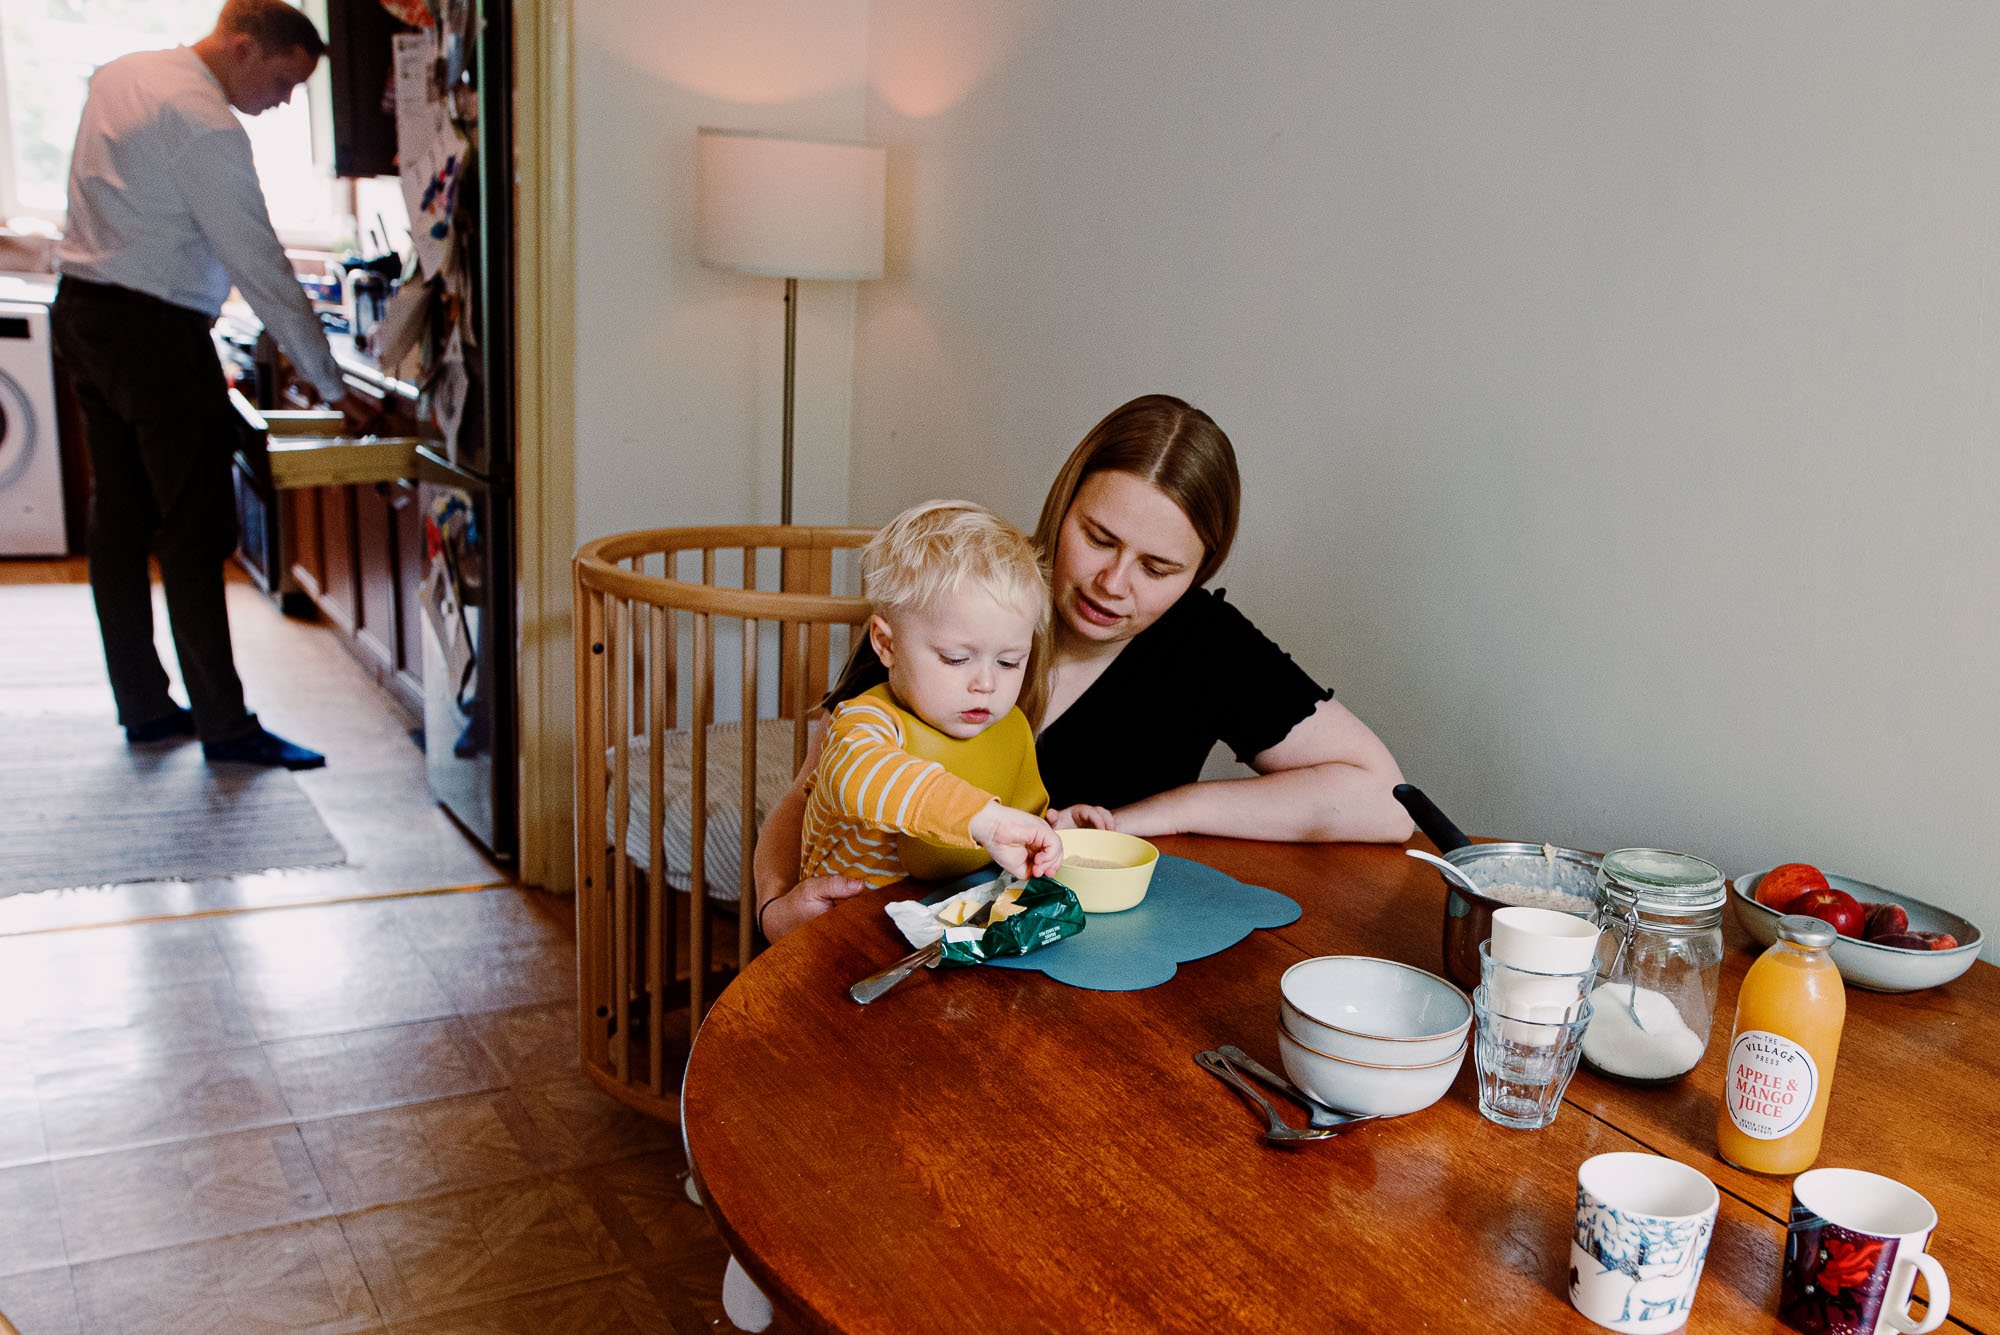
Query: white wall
pixel 1615 387
pixel 680 367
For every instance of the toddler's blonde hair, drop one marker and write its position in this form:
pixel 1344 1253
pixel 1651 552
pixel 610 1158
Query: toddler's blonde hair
pixel 934 550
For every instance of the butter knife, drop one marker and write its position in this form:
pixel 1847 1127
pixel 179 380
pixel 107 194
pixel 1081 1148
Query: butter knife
pixel 875 984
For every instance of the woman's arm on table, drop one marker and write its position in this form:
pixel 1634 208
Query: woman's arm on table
pixel 783 901
pixel 1329 780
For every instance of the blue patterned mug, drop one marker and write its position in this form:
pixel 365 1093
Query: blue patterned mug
pixel 1642 1229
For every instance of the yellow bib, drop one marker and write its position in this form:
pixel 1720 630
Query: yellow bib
pixel 1000 760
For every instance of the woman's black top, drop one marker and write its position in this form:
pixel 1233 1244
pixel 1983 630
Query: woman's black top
pixel 1200 674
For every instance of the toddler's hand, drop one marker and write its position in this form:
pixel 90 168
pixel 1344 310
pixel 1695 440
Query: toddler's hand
pixel 1022 843
pixel 1083 817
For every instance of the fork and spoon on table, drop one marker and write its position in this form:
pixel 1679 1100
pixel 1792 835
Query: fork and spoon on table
pixel 1228 1064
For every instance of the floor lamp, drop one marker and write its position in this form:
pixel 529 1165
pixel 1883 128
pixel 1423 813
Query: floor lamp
pixel 790 209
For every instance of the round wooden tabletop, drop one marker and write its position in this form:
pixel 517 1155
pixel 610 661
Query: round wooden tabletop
pixel 987 1149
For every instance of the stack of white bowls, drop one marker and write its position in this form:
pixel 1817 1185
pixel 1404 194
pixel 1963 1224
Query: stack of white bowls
pixel 1371 1035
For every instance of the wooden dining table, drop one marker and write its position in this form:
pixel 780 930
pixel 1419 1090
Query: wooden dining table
pixel 988 1149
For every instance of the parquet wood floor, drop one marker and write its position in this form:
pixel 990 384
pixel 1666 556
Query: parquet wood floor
pixel 236 1108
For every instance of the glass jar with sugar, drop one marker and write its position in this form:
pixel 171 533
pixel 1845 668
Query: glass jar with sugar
pixel 1659 965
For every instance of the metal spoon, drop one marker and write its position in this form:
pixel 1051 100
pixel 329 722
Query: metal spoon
pixel 1632 995
pixel 1279 1132
pixel 1451 873
pixel 1323 1114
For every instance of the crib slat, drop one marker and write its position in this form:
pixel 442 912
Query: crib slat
pixel 673 706
pixel 704 715
pixel 746 891
pixel 659 917
pixel 590 847
pixel 636 648
pixel 668 924
pixel 621 809
pixel 803 570
pixel 801 706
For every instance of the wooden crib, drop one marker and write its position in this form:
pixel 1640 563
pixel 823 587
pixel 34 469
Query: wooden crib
pixel 668 800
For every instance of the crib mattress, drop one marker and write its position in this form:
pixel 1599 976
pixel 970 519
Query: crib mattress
pixel 723 842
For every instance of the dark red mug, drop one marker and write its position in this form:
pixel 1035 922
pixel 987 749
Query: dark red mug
pixel 1853 1251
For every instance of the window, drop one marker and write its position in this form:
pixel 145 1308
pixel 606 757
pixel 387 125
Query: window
pixel 48 49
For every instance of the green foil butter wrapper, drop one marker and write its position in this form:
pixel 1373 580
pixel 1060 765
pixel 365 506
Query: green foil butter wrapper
pixel 1049 912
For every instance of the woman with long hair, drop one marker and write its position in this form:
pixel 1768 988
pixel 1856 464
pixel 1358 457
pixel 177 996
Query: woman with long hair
pixel 1147 670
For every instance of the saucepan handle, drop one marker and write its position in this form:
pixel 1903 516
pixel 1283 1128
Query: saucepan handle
pixel 1429 819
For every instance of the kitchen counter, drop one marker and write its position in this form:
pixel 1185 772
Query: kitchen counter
pixel 239 326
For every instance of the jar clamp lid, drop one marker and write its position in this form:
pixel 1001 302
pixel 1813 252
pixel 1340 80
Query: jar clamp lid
pixel 1654 880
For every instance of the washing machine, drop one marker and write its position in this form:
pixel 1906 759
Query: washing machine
pixel 31 496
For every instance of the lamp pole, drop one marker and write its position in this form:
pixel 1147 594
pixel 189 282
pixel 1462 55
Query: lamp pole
pixel 791 351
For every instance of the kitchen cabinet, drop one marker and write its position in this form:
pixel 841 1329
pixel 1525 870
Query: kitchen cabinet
pixel 389 567
pixel 352 551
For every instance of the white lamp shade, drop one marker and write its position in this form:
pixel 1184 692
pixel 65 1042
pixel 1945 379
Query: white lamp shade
pixel 788 208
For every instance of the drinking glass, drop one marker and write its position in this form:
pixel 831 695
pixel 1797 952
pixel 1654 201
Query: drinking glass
pixel 1533 996
pixel 1524 1065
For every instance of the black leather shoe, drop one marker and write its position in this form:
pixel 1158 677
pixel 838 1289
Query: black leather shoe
pixel 172 727
pixel 262 748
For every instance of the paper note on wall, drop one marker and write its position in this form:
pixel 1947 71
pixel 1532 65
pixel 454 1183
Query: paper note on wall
pixel 449 394
pixel 430 152
pixel 402 325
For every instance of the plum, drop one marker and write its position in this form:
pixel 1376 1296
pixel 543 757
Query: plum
pixel 1886 920
pixel 1902 941
pixel 1939 940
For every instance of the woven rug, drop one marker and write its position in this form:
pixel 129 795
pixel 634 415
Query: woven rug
pixel 78 807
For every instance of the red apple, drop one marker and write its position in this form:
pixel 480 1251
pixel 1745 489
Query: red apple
pixel 1781 885
pixel 1838 907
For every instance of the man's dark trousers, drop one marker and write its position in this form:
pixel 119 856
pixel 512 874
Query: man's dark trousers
pixel 161 433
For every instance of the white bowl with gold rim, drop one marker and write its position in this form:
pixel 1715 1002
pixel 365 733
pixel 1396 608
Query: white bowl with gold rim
pixel 1384 1012
pixel 1364 1087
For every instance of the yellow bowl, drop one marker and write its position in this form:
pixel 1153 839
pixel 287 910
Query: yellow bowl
pixel 1109 871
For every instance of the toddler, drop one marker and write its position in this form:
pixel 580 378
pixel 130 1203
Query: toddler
pixel 933 772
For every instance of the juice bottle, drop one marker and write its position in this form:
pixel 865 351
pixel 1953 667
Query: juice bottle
pixel 1780 1066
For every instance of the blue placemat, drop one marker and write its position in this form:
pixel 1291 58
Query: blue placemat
pixel 1190 911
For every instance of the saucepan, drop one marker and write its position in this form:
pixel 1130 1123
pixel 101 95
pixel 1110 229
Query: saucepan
pixel 1539 875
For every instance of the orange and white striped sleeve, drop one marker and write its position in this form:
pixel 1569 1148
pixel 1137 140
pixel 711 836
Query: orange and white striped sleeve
pixel 865 775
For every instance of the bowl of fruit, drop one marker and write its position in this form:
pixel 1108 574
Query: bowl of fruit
pixel 1887 943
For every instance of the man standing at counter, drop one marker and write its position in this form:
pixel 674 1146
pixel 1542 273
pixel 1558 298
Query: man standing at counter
pixel 165 213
